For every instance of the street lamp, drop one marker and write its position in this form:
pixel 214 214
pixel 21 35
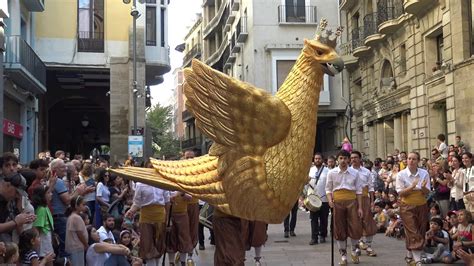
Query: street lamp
pixel 135 14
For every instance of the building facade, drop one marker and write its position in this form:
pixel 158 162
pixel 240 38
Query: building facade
pixel 407 65
pixel 259 41
pixel 87 47
pixel 24 78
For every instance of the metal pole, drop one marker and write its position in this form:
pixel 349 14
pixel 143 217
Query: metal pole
pixel 134 84
pixel 2 35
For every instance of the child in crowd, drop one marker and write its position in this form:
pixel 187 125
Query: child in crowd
pixel 30 242
pixel 44 219
pixel 437 242
pixel 346 145
pixel 435 211
pixel 76 232
pixel 11 254
pixel 395 226
pixel 131 244
pixel 380 217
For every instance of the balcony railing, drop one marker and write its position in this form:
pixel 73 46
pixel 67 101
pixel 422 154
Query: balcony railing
pixel 371 23
pixel 241 30
pixel 212 25
pixel 90 42
pixel 195 52
pixel 191 143
pixel 297 14
pixel 22 59
pixel 389 10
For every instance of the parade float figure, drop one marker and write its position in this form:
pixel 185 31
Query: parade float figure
pixel 259 161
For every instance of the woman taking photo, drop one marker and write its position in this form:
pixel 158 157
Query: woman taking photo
pixel 413 184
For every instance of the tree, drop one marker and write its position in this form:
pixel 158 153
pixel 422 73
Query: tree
pixel 159 120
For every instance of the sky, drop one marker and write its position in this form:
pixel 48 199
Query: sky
pixel 181 16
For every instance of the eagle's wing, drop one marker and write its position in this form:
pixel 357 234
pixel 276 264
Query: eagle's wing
pixel 233 113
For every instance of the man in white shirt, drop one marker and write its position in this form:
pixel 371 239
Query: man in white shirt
pixel 344 193
pixel 369 227
pixel 105 231
pixel 319 219
pixel 153 204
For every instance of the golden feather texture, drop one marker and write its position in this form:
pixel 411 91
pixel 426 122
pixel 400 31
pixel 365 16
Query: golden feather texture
pixel 260 158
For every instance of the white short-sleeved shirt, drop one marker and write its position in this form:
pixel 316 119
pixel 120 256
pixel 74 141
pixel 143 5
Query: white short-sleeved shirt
pixel 338 179
pixel 103 234
pixel 365 177
pixel 405 178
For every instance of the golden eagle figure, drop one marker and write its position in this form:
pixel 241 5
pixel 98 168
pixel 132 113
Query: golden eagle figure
pixel 259 161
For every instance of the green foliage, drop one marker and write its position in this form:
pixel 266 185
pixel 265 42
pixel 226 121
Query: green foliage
pixel 159 120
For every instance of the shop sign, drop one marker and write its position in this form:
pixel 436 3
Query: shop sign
pixel 13 129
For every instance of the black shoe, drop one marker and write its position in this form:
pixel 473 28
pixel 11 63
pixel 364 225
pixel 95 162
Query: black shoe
pixel 202 247
pixel 287 234
pixel 292 233
pixel 313 242
pixel 322 240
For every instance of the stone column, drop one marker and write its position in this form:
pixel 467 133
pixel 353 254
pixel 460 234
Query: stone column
pixel 372 142
pixel 380 140
pixel 397 133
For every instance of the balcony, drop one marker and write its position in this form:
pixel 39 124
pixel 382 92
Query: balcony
pixel 371 24
pixel 345 52
pixel 24 66
pixel 217 54
pixel 195 52
pixel 241 30
pixel 187 116
pixel 91 42
pixel 417 7
pixel 229 58
pixel 192 143
pixel 358 46
pixel 346 4
pixel 34 5
pixel 212 25
pixel 391 16
pixel 229 20
pixel 297 15
pixel 233 43
pixel 235 5
pixel 157 63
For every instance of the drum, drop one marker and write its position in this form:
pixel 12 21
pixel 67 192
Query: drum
pixel 312 202
pixel 205 215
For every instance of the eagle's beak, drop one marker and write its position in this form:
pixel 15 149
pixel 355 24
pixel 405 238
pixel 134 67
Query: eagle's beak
pixel 333 67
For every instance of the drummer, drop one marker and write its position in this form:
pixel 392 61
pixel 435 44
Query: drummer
pixel 317 183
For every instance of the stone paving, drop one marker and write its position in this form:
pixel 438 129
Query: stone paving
pixel 295 251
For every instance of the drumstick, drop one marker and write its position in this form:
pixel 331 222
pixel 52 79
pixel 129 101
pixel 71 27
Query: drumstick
pixel 332 237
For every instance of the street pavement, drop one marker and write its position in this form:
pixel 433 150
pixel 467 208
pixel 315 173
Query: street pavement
pixel 295 251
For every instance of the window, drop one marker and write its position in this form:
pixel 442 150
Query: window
pixel 150 26
pixel 439 49
pixel 295 11
pixel 403 58
pixel 283 68
pixel 91 25
pixel 162 27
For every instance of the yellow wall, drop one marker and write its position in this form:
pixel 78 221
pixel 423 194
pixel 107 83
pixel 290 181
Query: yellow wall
pixel 59 20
